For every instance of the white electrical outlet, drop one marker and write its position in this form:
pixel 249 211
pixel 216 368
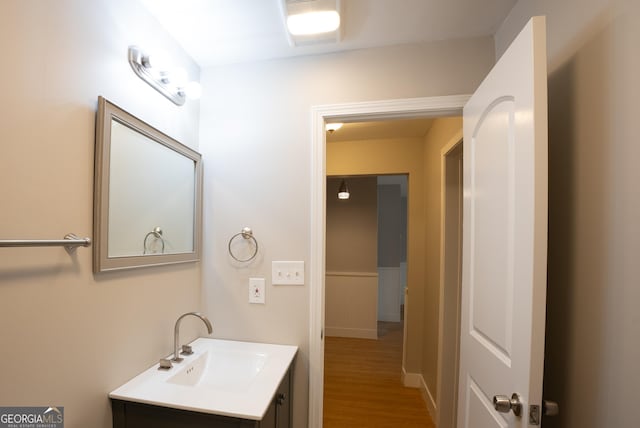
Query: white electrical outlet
pixel 256 290
pixel 287 273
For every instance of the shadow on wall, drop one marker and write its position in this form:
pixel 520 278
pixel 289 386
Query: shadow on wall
pixel 561 210
pixel 578 171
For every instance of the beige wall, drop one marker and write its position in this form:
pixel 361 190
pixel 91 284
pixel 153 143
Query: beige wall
pixel 351 304
pixel 592 343
pixel 68 336
pixel 351 284
pixel 441 133
pixel 255 136
pixel 352 226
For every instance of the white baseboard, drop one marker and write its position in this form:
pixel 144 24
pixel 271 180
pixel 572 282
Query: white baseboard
pixel 358 333
pixel 428 398
pixel 411 380
pixel 415 380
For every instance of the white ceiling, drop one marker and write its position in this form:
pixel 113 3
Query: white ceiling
pixel 218 32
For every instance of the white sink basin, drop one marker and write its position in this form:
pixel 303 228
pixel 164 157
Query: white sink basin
pixel 230 370
pixel 222 377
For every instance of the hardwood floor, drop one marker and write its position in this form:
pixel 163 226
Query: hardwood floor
pixel 362 386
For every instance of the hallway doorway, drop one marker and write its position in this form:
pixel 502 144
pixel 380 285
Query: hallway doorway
pixel 366 246
pixel 378 110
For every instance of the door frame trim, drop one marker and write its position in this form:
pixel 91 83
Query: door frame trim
pixel 446 300
pixel 405 108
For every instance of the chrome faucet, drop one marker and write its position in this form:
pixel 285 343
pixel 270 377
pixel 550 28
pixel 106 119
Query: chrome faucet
pixel 176 333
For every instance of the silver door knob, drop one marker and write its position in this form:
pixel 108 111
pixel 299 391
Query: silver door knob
pixel 504 404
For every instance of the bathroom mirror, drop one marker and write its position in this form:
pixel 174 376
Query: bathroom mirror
pixel 148 194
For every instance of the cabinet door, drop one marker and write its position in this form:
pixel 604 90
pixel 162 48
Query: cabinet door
pixel 283 402
pixel 269 418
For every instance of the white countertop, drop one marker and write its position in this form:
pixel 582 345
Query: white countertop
pixel 222 377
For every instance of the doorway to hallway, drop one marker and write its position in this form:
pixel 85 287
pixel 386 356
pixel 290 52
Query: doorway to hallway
pixel 391 109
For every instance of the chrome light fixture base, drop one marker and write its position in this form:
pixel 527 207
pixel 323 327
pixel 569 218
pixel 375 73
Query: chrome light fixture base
pixel 139 64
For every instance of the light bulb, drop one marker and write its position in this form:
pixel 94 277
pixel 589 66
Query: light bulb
pixel 343 190
pixel 333 126
pixel 193 90
pixel 179 77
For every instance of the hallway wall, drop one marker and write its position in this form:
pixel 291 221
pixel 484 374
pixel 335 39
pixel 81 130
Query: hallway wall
pixel 440 134
pixel 352 226
pixel 351 281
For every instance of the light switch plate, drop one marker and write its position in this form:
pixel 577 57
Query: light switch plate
pixel 287 273
pixel 256 290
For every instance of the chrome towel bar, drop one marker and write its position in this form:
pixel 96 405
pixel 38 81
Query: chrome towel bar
pixel 70 241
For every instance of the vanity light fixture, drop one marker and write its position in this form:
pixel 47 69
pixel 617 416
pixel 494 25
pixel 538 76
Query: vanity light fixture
pixel 332 127
pixel 343 190
pixel 156 71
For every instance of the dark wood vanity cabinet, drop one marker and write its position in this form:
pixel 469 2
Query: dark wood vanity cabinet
pixel 278 414
pixel 128 414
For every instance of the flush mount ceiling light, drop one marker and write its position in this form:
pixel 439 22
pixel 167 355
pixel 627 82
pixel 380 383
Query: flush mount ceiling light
pixel 331 127
pixel 316 22
pixel 312 21
pixel 343 190
pixel 156 71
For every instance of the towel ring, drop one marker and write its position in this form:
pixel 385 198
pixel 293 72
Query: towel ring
pixel 246 233
pixel 157 233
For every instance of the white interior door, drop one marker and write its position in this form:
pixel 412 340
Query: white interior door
pixel 505 238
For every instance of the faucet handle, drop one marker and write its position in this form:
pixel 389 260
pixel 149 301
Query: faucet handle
pixel 164 364
pixel 186 350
